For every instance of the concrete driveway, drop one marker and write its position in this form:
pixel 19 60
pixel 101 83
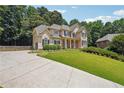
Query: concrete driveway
pixel 22 70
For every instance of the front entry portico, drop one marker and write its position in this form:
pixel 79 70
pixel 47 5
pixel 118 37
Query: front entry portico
pixel 70 43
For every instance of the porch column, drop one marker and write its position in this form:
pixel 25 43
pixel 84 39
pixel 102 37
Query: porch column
pixel 70 43
pixel 61 42
pixel 74 44
pixel 65 43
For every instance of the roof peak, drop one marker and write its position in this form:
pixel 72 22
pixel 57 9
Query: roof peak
pixel 55 24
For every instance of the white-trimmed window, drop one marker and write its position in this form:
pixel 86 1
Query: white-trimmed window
pixel 66 33
pixel 74 35
pixel 56 33
pixel 84 35
pixel 45 41
pixel 56 41
pixel 84 43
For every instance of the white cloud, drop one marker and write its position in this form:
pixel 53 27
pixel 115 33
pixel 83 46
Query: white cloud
pixel 60 10
pixel 74 7
pixel 119 12
pixel 103 18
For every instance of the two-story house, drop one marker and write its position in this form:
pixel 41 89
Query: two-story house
pixel 68 37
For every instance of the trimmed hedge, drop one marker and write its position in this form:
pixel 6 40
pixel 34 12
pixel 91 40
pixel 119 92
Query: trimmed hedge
pixel 103 52
pixel 51 47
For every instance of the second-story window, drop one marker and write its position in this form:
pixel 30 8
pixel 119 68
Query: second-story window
pixel 69 34
pixel 84 35
pixel 65 33
pixel 74 35
pixel 56 33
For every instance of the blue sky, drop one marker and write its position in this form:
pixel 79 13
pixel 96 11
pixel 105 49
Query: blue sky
pixel 89 13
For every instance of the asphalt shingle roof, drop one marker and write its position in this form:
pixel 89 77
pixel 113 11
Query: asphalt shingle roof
pixel 65 27
pixel 55 26
pixel 40 29
pixel 74 26
pixel 108 37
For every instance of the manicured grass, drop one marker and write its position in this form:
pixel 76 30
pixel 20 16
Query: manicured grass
pixel 98 65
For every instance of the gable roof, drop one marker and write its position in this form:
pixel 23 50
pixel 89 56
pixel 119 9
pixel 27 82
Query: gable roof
pixel 108 37
pixel 55 26
pixel 82 28
pixel 65 27
pixel 40 29
pixel 74 26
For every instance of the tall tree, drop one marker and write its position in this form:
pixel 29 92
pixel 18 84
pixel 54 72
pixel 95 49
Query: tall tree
pixel 83 23
pixel 64 22
pixel 117 44
pixel 118 26
pixel 11 24
pixel 1 28
pixel 94 29
pixel 53 17
pixel 107 29
pixel 42 10
pixel 74 21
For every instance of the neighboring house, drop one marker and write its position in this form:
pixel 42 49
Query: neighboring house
pixel 68 37
pixel 105 40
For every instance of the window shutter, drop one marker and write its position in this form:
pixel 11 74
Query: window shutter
pixel 42 41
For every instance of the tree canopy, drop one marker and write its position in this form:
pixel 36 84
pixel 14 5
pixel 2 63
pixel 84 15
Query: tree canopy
pixel 117 44
pixel 17 23
pixel 74 21
pixel 98 29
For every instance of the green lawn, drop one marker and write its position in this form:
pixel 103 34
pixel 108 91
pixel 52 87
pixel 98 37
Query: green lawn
pixel 98 65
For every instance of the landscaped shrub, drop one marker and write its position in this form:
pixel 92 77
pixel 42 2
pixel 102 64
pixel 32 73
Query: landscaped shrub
pixel 58 47
pixel 117 44
pixel 46 47
pixel 51 47
pixel 103 52
pixel 121 58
